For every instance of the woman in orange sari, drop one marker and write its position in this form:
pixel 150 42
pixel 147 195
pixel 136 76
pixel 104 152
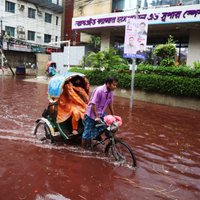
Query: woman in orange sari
pixel 72 103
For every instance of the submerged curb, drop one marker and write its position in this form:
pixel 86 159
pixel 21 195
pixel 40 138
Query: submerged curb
pixel 182 102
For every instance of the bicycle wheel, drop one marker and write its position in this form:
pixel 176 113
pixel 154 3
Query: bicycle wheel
pixel 122 152
pixel 43 132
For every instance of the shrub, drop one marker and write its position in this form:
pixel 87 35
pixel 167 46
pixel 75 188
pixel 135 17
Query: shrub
pixel 196 65
pixel 166 52
pixel 171 85
pixel 181 81
pixel 167 62
pixel 169 71
pixel 121 67
pixel 103 60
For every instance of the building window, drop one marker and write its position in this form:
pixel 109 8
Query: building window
pixel 10 7
pixel 118 5
pixel 31 35
pixel 48 17
pixel 47 38
pixel 31 13
pixel 189 2
pixel 56 38
pixel 10 31
pixel 57 18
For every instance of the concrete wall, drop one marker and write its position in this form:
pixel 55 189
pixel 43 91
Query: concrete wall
pixel 41 60
pixel 182 102
pixel 95 7
pixel 72 56
pixel 105 40
pixel 194 47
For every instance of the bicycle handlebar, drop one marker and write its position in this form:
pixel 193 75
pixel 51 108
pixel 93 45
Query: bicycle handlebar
pixel 100 123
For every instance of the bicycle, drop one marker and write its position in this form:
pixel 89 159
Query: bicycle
pixel 114 146
pixel 47 128
pixel 119 149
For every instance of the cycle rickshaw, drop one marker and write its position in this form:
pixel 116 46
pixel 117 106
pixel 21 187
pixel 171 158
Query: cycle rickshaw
pixel 50 69
pixel 49 126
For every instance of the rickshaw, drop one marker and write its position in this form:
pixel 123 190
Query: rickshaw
pixel 50 69
pixel 56 122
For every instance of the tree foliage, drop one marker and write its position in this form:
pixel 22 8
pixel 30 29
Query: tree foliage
pixel 103 59
pixel 95 42
pixel 166 52
pixel 164 80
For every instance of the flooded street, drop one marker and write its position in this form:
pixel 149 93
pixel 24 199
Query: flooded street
pixel 165 141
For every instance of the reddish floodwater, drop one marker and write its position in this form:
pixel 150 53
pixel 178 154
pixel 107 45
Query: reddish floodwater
pixel 165 140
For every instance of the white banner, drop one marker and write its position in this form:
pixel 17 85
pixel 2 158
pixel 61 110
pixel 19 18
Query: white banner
pixel 135 38
pixel 174 14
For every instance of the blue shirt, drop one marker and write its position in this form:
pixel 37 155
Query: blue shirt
pixel 101 97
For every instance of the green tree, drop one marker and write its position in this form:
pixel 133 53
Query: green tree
pixel 104 59
pixel 196 65
pixel 95 42
pixel 166 52
pixel 111 58
pixel 95 60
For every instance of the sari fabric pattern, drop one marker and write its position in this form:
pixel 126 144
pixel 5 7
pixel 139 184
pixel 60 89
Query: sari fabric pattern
pixel 72 103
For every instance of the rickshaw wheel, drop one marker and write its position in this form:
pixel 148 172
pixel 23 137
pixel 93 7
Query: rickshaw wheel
pixel 43 132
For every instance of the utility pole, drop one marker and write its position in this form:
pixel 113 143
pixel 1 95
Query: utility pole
pixel 1 34
pixel 4 61
pixel 1 22
pixel 134 62
pixel 1 44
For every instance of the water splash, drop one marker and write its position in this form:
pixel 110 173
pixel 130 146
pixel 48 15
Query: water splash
pixel 51 197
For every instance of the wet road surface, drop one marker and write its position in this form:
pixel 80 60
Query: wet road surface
pixel 165 141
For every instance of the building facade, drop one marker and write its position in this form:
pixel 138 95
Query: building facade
pixel 107 19
pixel 30 25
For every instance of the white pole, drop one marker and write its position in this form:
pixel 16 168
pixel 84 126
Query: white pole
pixel 68 56
pixel 133 67
pixel 132 83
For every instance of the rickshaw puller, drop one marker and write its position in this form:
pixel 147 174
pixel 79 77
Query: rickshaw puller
pixel 102 97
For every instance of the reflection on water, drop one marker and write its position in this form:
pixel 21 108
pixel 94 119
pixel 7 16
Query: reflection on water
pixel 165 141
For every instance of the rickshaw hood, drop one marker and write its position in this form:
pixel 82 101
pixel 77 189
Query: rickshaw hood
pixel 56 83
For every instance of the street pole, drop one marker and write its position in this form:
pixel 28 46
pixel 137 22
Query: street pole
pixel 1 25
pixel 68 54
pixel 133 66
pixel 1 36
pixel 132 82
pixel 1 44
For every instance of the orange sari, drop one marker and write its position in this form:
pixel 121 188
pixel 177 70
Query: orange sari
pixel 72 102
